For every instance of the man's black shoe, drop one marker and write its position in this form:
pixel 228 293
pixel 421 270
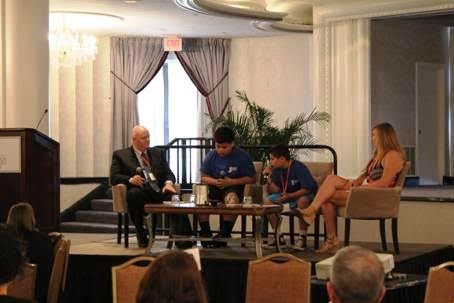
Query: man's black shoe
pixel 206 244
pixel 219 244
pixel 142 240
pixel 183 244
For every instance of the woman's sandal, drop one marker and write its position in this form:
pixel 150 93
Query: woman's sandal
pixel 306 215
pixel 330 246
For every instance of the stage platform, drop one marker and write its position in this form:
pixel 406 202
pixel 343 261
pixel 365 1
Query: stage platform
pixel 225 270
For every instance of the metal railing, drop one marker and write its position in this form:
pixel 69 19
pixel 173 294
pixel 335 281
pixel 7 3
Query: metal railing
pixel 185 156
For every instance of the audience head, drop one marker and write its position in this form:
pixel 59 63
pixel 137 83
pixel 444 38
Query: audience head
pixel 11 255
pixel 21 218
pixel 384 139
pixel 140 138
pixel 223 139
pixel 357 276
pixel 279 155
pixel 172 277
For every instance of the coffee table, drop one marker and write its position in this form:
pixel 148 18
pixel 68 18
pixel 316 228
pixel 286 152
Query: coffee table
pixel 257 211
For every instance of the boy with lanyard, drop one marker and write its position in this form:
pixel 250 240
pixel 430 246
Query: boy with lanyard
pixel 225 170
pixel 291 182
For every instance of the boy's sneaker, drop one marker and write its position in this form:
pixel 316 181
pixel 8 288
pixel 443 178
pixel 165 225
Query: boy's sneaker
pixel 272 242
pixel 300 244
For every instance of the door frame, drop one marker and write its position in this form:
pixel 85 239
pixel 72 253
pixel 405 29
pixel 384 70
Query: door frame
pixel 442 168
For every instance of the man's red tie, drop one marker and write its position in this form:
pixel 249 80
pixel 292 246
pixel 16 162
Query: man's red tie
pixel 145 159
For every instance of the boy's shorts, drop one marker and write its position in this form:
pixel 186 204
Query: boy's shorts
pixel 293 203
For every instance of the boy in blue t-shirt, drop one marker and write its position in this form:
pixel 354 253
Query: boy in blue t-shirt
pixel 291 182
pixel 225 170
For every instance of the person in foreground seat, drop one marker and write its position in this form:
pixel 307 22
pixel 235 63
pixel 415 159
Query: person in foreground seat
pixel 225 170
pixel 173 277
pixel 11 263
pixel 291 182
pixel 38 245
pixel 357 276
pixel 149 179
pixel 382 171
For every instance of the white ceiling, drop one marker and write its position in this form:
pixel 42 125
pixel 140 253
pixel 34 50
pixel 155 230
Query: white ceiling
pixel 164 17
pixel 158 18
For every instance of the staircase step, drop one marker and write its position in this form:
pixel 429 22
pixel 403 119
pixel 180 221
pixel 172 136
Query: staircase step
pixel 97 216
pixel 89 227
pixel 102 204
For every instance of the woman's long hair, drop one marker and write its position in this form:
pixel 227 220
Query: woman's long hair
pixel 387 141
pixel 172 278
pixel 21 218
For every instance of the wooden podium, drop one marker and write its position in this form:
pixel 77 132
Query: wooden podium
pixel 30 172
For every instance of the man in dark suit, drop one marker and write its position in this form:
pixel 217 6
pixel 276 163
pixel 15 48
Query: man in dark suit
pixel 149 179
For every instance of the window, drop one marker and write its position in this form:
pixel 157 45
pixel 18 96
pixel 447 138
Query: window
pixel 169 105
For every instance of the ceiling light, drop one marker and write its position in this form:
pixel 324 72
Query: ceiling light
pixel 67 48
pixel 251 9
pixel 69 42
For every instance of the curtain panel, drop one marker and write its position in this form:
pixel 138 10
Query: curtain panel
pixel 134 63
pixel 207 63
pixel 342 88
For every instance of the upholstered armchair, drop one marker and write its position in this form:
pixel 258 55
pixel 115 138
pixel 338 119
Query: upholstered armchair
pixel 23 286
pixel 120 206
pixel 365 203
pixel 126 279
pixel 278 278
pixel 440 283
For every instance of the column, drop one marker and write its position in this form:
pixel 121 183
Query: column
pixel 24 85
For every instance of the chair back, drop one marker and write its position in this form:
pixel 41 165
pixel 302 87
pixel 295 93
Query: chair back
pixel 320 170
pixel 120 204
pixel 59 269
pixel 375 203
pixel 126 279
pixel 279 278
pixel 403 174
pixel 440 284
pixel 23 286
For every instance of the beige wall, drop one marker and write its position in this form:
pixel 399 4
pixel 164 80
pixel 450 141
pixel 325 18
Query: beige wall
pixel 275 72
pixel 69 194
pixel 419 222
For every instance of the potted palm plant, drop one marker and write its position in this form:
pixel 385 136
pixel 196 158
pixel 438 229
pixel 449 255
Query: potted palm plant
pixel 255 126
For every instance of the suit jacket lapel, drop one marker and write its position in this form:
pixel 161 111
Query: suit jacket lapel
pixel 153 160
pixel 133 157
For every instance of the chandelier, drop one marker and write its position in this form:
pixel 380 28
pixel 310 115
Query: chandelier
pixel 68 48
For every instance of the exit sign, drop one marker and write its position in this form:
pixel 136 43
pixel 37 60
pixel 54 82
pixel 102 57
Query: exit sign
pixel 172 44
